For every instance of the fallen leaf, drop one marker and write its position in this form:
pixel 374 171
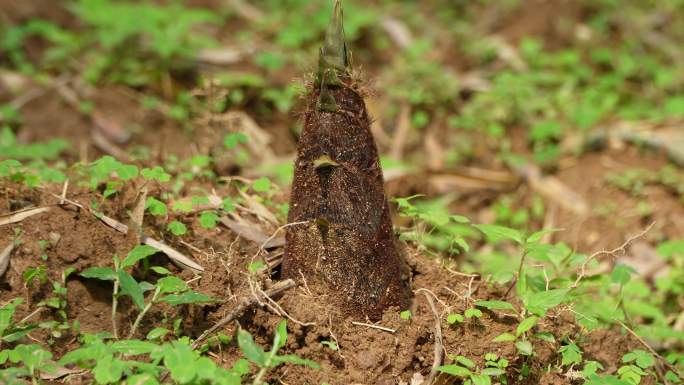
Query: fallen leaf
pixel 21 215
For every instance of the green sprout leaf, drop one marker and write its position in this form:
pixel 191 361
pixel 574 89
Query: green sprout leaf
pixel 495 305
pixel 250 349
pixel 261 185
pixel 155 207
pixel 525 325
pixel 101 273
pixel 131 288
pixel 454 317
pixel 208 219
pixel 139 252
pixel 497 233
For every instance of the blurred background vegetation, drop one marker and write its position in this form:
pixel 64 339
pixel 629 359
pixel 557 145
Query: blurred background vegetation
pixel 525 113
pixel 466 95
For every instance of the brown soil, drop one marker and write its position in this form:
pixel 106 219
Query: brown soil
pixel 367 355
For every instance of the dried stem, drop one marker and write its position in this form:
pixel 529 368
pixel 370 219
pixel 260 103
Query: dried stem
pixel 245 304
pixel 613 252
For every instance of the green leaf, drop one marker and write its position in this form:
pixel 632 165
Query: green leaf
pixel 139 252
pixel 570 354
pixel 460 219
pixel 182 206
pixel 493 372
pixel 540 303
pixel 180 361
pixel 155 207
pixel 101 273
pixel 131 288
pixel 280 337
pixel 331 344
pixel 177 228
pixel 208 219
pixel 454 317
pixel 605 380
pixel 186 298
pixel 134 347
pixel 251 350
pixel 405 315
pixel 455 370
pixel 233 139
pixel 108 369
pixel 228 205
pixel 480 379
pixel 473 312
pixel 157 173
pixel 525 325
pixel 495 305
pixel 127 171
pixel 524 347
pixel 465 361
pixel 171 284
pixel 545 336
pixel 157 333
pixel 497 233
pixel 591 367
pixel 160 270
pixel 504 337
pixel 621 274
pixel 262 184
pixel 537 236
pixel 7 314
pixel 142 379
pixel 640 357
pixel 292 359
pixel 255 266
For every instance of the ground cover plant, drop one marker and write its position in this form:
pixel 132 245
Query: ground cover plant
pixel 182 192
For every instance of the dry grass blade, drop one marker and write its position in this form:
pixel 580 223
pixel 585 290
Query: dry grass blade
pixel 401 132
pixel 252 232
pixel 259 142
pixel 109 128
pixel 397 31
pixel 172 253
pixel 553 189
pixel 104 144
pixel 256 208
pixel 138 213
pixel 21 215
pixel 60 372
pixel 5 258
pixel 111 222
pixel 221 55
pixel 384 329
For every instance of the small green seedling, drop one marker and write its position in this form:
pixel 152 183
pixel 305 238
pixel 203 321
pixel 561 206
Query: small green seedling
pixel 169 289
pixel 453 318
pixel 268 360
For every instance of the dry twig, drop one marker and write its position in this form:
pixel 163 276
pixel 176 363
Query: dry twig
pixel 439 344
pixel 613 252
pixel 374 327
pixel 245 304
